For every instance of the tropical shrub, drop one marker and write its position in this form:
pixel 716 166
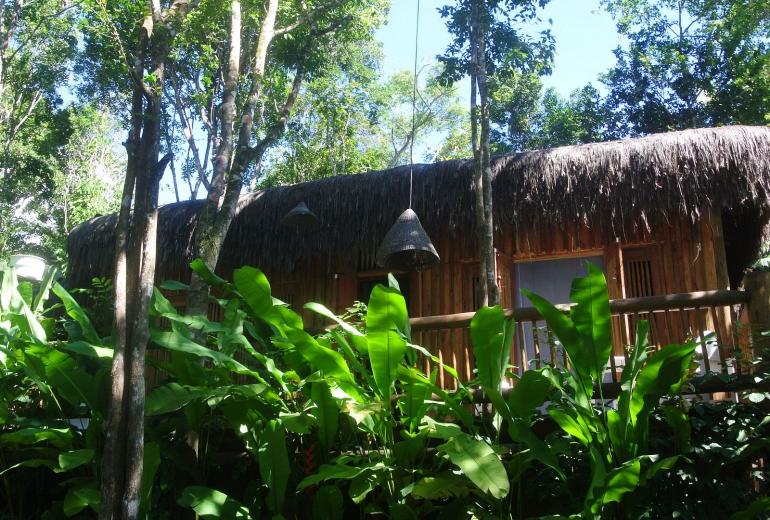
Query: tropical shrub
pixel 342 417
pixel 53 384
pixel 250 415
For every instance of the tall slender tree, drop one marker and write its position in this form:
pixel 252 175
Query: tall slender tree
pixel 139 37
pixel 489 40
pixel 255 78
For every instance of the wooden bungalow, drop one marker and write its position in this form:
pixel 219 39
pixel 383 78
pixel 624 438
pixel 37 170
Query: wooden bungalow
pixel 671 213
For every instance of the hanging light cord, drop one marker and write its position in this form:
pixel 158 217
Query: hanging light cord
pixel 414 104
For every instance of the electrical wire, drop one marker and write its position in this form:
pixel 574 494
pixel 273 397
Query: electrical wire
pixel 414 104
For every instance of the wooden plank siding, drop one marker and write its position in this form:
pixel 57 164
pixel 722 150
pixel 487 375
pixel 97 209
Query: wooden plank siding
pixel 677 256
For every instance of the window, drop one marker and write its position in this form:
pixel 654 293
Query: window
pixel 639 272
pixel 551 279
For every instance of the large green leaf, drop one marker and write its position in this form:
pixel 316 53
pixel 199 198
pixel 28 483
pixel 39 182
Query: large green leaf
pixel 326 413
pixel 164 308
pixel 592 318
pixel 571 425
pixel 438 488
pixel 386 324
pixel 479 462
pixel 663 373
pixel 72 459
pixel 414 405
pixel 7 289
pixel 66 376
pixel 274 464
pixel 328 361
pixel 86 349
pixel 529 393
pixel 58 437
pixel 150 464
pixel 491 336
pixel 172 397
pixel 340 472
pixel 253 286
pixel 323 311
pixel 618 482
pixel 207 275
pixel 178 342
pixel 174 285
pixel 567 334
pixel 455 405
pixel 210 503
pixel 521 431
pixel 81 494
pixel 76 312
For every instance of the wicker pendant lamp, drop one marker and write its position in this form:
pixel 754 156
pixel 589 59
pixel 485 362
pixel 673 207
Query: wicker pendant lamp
pixel 300 215
pixel 407 246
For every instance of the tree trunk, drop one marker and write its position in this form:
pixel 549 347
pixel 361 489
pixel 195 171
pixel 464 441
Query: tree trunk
pixel 113 457
pixel 230 165
pixel 208 234
pixel 476 36
pixel 487 232
pixel 135 236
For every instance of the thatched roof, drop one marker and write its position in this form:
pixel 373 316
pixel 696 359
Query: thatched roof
pixel 608 184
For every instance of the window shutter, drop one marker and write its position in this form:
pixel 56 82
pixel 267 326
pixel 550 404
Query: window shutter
pixel 641 273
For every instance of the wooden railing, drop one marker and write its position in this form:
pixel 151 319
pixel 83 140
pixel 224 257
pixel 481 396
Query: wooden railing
pixel 710 318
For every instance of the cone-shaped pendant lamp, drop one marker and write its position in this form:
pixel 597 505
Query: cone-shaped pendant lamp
pixel 300 215
pixel 407 246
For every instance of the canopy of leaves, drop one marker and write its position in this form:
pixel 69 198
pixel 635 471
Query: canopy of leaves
pixel 354 123
pixel 689 63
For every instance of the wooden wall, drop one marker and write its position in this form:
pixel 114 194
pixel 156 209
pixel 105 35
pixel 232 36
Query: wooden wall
pixel 678 255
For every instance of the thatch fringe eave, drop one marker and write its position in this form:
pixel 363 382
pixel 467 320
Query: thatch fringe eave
pixel 612 184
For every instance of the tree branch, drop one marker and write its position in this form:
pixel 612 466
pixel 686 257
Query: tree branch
pixel 188 130
pixel 37 26
pixel 275 131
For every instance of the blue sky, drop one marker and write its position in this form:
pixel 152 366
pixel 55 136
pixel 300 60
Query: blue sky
pixel 585 36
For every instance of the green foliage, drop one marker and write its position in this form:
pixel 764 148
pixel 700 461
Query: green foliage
pixel 683 64
pixel 688 64
pixel 52 401
pixel 210 503
pixel 353 121
pixel 345 422
pixel 57 165
pixel 508 49
pixel 616 440
pixel 525 117
pixel 65 172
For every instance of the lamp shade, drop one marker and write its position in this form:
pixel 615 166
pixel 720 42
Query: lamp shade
pixel 28 267
pixel 407 246
pixel 300 215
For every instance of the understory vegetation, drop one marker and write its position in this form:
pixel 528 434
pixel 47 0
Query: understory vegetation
pixel 252 416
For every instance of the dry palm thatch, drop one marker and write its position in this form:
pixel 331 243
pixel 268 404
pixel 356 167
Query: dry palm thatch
pixel 607 184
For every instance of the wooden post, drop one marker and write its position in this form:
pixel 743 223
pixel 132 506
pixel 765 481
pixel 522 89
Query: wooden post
pixel 758 284
pixel 716 274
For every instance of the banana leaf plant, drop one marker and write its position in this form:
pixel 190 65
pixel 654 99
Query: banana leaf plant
pixel 615 436
pixel 52 396
pixel 349 401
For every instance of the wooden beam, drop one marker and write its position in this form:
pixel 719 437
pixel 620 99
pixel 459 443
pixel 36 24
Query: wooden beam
pixel 623 306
